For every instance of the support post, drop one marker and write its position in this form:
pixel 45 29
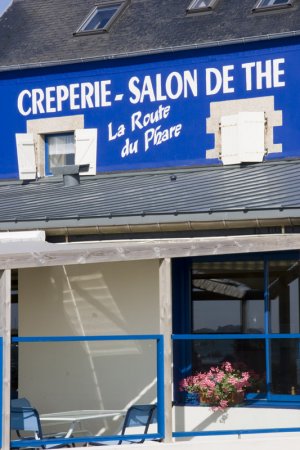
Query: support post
pixel 165 298
pixel 5 333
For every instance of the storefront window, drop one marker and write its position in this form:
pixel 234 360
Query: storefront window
pixel 284 296
pixel 246 312
pixel 228 297
pixel 285 366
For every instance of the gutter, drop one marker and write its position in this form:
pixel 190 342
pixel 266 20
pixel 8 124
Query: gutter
pixel 153 51
pixel 165 222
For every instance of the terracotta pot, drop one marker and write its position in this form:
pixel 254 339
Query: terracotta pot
pixel 235 398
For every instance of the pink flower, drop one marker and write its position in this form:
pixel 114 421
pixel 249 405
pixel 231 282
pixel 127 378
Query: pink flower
pixel 219 384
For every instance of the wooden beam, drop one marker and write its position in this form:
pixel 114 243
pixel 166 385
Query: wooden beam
pixel 5 324
pixel 38 254
pixel 165 300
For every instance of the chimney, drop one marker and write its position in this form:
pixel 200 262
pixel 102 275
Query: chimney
pixel 70 174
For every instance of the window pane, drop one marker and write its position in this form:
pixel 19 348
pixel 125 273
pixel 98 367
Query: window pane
pixel 284 296
pixel 247 355
pixel 205 319
pixel 197 4
pixel 100 18
pixel 265 3
pixel 285 365
pixel 228 297
pixel 61 151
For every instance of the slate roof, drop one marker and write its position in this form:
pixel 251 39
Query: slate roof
pixel 259 191
pixel 40 32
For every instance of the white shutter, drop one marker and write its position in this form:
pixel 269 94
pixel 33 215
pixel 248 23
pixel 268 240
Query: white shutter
pixel 86 149
pixel 229 140
pixel 26 156
pixel 243 137
pixel 251 136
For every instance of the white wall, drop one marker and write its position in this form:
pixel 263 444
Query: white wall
pixel 199 418
pixel 262 442
pixel 95 299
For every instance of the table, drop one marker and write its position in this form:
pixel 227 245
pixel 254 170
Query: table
pixel 76 417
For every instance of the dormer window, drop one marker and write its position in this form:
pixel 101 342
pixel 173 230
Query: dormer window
pixel 101 17
pixel 201 5
pixel 263 5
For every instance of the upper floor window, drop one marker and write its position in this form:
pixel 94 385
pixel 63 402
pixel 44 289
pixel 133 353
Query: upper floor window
pixel 201 5
pixel 272 4
pixel 60 151
pixel 55 142
pixel 101 17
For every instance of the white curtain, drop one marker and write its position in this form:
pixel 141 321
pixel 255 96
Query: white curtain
pixel 61 144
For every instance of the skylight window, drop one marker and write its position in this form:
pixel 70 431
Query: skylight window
pixel 272 4
pixel 101 17
pixel 201 5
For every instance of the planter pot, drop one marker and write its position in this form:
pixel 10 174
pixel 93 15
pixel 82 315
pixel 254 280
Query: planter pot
pixel 191 399
pixel 236 398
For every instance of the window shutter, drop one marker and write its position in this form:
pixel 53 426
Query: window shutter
pixel 251 136
pixel 229 140
pixel 86 149
pixel 243 137
pixel 26 156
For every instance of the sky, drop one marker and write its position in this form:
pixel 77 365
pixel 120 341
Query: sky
pixel 4 4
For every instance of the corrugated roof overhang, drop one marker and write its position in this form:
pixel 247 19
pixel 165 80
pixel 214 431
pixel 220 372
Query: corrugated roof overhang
pixel 252 195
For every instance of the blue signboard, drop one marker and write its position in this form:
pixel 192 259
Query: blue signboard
pixel 156 113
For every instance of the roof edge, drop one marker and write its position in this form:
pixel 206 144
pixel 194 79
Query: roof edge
pixel 220 219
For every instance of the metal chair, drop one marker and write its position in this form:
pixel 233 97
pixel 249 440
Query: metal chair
pixel 25 421
pixel 137 421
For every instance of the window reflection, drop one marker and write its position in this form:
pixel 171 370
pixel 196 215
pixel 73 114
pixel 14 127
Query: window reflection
pixel 284 296
pixel 285 366
pixel 228 297
pixel 257 299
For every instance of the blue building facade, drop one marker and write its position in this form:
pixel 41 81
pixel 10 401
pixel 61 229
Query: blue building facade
pixel 164 144
pixel 154 112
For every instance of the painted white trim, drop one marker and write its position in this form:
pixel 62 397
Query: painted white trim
pixel 13 236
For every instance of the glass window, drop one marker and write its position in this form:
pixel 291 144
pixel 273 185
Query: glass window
pixel 266 4
pixel 285 366
pixel 60 151
pixel 101 17
pixel 235 290
pixel 246 312
pixel 248 355
pixel 284 296
pixel 200 5
pixel 228 298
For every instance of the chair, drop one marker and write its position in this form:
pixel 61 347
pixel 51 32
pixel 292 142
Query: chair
pixel 25 421
pixel 137 421
pixel 19 402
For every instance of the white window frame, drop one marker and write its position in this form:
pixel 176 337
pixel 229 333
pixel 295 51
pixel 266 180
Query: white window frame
pixel 260 7
pixel 193 8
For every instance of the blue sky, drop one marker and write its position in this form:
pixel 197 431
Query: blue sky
pixel 4 4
